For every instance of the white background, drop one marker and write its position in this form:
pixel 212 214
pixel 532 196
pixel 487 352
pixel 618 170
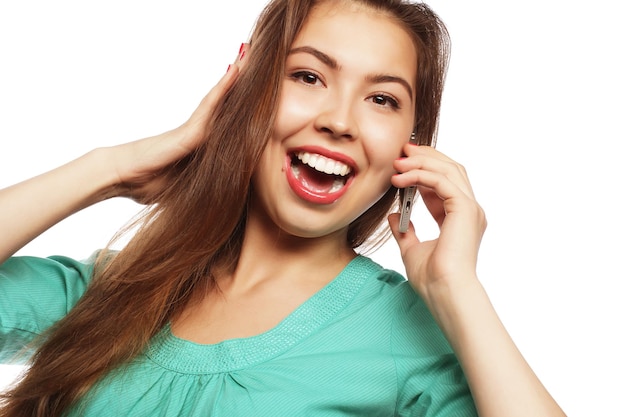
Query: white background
pixel 533 107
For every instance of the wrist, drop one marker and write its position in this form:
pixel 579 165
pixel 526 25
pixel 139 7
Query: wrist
pixel 448 290
pixel 454 302
pixel 101 174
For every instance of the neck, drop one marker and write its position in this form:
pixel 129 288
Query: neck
pixel 270 253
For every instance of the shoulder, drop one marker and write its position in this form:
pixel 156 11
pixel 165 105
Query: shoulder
pixel 36 292
pixel 36 273
pixel 413 328
pixel 392 290
pixel 429 377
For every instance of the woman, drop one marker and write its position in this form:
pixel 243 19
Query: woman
pixel 242 292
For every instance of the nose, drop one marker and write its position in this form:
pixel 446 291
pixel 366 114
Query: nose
pixel 337 120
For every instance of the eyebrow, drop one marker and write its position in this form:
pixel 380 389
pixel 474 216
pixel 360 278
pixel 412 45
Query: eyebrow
pixel 327 60
pixel 385 78
pixel 332 63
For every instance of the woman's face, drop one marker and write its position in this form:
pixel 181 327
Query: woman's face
pixel 345 111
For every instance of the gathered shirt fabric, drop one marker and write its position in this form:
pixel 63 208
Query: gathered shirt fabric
pixel 364 345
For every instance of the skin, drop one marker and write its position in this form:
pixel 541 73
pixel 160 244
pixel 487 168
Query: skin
pixel 337 112
pixel 331 101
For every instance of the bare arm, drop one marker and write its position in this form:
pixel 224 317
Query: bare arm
pixel 502 382
pixel 130 170
pixel 31 207
pixel 443 271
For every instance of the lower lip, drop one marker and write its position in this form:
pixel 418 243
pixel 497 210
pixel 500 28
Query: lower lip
pixel 308 195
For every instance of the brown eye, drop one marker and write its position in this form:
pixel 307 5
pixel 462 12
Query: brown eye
pixel 385 101
pixel 309 78
pixel 306 77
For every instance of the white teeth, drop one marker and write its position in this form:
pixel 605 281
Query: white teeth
pixel 322 164
pixel 337 185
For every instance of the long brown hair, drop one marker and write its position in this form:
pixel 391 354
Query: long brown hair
pixel 197 223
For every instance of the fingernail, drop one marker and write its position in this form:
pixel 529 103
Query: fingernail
pixel 241 48
pixel 228 69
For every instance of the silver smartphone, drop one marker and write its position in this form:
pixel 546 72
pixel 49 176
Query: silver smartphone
pixel 407 198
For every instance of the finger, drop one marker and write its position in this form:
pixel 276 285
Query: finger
pixel 440 194
pixel 198 122
pixel 411 149
pixel 404 240
pixel 208 103
pixel 439 183
pixel 229 78
pixel 240 60
pixel 429 159
pixel 434 205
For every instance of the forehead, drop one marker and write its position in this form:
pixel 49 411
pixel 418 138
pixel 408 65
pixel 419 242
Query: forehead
pixel 358 35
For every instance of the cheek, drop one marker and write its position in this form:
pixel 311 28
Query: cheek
pixel 294 110
pixel 385 143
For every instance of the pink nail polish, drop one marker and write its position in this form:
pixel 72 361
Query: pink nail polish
pixel 228 69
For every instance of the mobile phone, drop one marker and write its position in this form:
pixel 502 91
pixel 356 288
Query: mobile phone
pixel 407 198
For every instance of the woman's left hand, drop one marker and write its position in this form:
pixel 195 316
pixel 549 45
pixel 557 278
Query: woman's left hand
pixel 443 272
pixel 446 191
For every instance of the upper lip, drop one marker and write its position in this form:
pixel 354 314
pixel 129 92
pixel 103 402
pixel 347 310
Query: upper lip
pixel 327 153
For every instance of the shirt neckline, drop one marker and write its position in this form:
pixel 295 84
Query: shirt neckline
pixel 184 356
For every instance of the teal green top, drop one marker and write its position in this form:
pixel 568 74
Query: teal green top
pixel 364 345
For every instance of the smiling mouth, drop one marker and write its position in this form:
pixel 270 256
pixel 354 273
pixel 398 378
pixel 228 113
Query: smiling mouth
pixel 319 174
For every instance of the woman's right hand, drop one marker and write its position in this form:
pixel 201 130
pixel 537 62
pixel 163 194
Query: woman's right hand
pixel 136 170
pixel 139 165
